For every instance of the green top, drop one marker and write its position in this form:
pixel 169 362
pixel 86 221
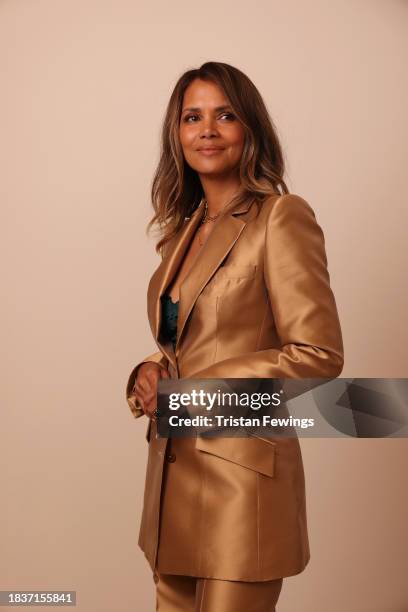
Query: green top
pixel 168 328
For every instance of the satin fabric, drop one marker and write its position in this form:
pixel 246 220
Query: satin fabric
pixel 186 594
pixel 256 303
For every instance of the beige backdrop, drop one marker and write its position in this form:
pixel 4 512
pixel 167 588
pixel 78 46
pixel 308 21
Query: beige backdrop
pixel 84 84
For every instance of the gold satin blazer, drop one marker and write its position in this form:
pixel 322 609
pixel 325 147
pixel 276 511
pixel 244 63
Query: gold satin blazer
pixel 256 303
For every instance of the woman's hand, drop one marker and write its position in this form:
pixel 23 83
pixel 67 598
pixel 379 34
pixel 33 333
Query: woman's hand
pixel 145 388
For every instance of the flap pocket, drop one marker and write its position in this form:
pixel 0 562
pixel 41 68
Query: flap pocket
pixel 236 271
pixel 252 452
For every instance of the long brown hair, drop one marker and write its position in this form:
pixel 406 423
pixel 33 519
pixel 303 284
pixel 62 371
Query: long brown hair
pixel 176 189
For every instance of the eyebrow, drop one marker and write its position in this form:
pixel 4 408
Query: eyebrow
pixel 197 108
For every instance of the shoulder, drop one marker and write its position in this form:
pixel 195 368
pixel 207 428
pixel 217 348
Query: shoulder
pixel 290 224
pixel 288 205
pixel 289 213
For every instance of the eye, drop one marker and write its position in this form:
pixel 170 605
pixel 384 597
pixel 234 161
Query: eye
pixel 229 115
pixel 188 117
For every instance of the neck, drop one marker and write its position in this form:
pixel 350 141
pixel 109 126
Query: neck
pixel 218 192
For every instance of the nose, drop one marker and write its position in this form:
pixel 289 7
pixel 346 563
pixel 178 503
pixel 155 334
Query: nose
pixel 208 127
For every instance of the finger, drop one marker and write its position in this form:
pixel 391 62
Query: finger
pixel 153 381
pixel 151 403
pixel 153 373
pixel 146 386
pixel 143 384
pixel 145 400
pixel 141 401
pixel 145 395
pixel 164 374
pixel 148 404
pixel 150 407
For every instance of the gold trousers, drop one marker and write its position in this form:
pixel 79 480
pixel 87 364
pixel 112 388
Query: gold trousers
pixel 192 594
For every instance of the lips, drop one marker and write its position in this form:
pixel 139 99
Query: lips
pixel 212 148
pixel 209 151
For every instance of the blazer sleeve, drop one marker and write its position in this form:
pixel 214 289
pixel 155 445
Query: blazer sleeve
pixel 297 283
pixel 134 405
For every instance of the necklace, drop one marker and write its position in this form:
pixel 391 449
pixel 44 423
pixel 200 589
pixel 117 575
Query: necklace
pixel 206 216
pixel 205 219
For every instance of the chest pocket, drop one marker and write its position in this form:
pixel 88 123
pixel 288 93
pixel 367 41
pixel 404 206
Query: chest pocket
pixel 230 277
pixel 235 271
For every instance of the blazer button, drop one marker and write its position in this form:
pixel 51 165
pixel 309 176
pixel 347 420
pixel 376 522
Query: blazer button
pixel 171 457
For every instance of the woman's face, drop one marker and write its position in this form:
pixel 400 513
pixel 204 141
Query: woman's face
pixel 211 136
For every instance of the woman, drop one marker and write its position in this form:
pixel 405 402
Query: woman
pixel 242 291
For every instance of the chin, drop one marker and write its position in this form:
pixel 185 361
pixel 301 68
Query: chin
pixel 212 169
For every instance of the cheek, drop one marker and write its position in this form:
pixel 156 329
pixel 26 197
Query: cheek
pixel 236 140
pixel 185 142
pixel 236 149
pixel 186 136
